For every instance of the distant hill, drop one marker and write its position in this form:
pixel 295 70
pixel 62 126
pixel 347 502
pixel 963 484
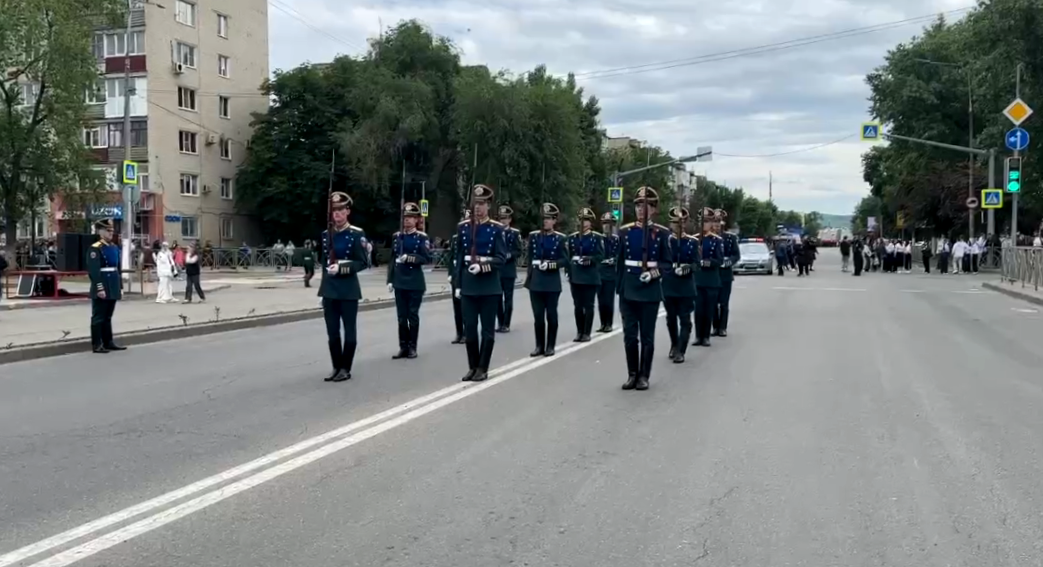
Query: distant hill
pixel 836 221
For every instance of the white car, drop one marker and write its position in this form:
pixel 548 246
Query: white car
pixel 754 257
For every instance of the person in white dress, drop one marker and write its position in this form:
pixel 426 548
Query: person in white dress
pixel 166 270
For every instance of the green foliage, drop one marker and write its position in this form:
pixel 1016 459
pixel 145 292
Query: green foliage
pixel 919 99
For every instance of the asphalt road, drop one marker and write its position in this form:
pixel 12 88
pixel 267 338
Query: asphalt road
pixel 882 420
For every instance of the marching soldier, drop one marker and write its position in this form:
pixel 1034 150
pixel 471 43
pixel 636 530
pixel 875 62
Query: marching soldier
pixel 411 250
pixel 679 284
pixel 607 271
pixel 509 270
pixel 547 255
pixel 308 262
pixel 481 252
pixel 707 279
pixel 344 253
pixel 730 249
pixel 458 314
pixel 103 267
pixel 644 250
pixel 586 249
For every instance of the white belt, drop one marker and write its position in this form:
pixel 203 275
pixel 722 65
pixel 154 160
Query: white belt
pixel 637 264
pixel 109 269
pixel 468 258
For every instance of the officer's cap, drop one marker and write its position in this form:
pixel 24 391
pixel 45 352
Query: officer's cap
pixel 340 200
pixel 505 211
pixel 411 210
pixel 721 214
pixel 678 214
pixel 550 211
pixel 607 217
pixel 105 224
pixel 481 193
pixel 709 215
pixel 586 214
pixel 646 194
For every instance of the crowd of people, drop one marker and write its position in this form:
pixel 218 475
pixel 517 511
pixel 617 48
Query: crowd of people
pixel 958 256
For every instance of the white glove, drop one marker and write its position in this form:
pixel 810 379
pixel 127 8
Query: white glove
pixel 679 270
pixel 391 288
pixel 332 269
pixel 401 259
pixel 474 269
pixel 645 277
pixel 456 294
pixel 544 266
pixel 449 279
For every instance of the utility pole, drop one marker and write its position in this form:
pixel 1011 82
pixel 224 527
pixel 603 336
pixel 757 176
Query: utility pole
pixel 128 190
pixel 1017 154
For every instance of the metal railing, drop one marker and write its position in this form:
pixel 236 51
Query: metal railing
pixel 1022 264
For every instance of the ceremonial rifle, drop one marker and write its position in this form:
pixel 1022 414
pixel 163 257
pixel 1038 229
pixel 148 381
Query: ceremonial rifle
pixel 331 256
pixel 645 236
pixel 472 207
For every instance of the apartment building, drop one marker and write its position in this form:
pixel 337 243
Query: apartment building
pixel 196 69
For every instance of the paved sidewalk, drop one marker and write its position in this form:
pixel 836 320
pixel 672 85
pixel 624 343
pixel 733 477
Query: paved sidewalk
pixel 1017 290
pixel 240 298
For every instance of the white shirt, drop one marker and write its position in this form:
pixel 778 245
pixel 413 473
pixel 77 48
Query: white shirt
pixel 890 248
pixel 908 248
pixel 165 263
pixel 1037 242
pixel 959 248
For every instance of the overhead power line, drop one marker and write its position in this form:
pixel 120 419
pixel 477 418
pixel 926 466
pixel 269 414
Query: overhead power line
pixel 787 153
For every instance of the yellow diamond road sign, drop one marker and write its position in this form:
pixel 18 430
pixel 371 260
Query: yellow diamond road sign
pixel 1017 111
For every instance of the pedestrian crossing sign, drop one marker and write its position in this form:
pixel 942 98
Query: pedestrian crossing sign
pixel 130 173
pixel 424 207
pixel 870 131
pixel 992 198
pixel 615 194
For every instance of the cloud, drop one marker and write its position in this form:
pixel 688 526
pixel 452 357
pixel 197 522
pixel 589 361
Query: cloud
pixel 792 112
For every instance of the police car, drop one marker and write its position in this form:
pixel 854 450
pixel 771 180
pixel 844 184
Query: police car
pixel 754 257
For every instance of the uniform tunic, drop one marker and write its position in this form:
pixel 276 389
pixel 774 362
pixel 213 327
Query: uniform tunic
pixel 731 254
pixel 341 292
pixel 547 256
pixel 639 300
pixel 509 274
pixel 586 252
pixel 679 291
pixel 607 289
pixel 103 268
pixel 708 284
pixel 411 251
pixel 480 292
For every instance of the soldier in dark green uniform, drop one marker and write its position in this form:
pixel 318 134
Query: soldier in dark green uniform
pixel 730 246
pixel 344 255
pixel 547 255
pixel 707 278
pixel 480 255
pixel 679 284
pixel 458 312
pixel 644 250
pixel 607 272
pixel 509 270
pixel 410 251
pixel 586 251
pixel 103 267
pixel 308 261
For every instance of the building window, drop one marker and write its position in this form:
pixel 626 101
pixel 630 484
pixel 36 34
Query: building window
pixel 185 13
pixel 226 228
pixel 96 137
pixel 189 227
pixel 186 55
pixel 222 26
pixel 223 66
pixel 143 183
pixel 138 134
pixel 186 98
pixel 96 93
pixel 98 45
pixel 190 184
pixel 226 188
pixel 116 44
pixel 226 148
pixel 29 92
pixel 188 142
pixel 138 97
pixel 224 107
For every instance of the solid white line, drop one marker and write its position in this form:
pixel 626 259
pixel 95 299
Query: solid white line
pixel 179 511
pixel 816 288
pixel 86 529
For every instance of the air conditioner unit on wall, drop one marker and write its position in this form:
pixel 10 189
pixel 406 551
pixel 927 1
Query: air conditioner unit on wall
pixel 179 69
pixel 211 139
pixel 206 189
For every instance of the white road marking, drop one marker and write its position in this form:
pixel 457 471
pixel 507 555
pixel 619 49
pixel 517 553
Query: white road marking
pixel 409 411
pixel 972 291
pixel 913 290
pixel 782 288
pixel 1024 310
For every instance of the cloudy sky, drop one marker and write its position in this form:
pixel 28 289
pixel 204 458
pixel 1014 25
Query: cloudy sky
pixel 656 67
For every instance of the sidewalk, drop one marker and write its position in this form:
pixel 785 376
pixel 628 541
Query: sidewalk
pixel 1014 289
pixel 238 298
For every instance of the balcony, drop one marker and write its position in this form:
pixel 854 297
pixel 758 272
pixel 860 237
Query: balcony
pixel 115 64
pixel 137 153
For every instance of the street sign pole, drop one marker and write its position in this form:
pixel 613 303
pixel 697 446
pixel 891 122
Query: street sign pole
pixel 991 215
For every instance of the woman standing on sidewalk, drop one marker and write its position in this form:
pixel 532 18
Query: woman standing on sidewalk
pixel 192 274
pixel 165 269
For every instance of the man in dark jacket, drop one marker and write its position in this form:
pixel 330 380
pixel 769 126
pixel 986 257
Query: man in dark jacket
pixel 845 253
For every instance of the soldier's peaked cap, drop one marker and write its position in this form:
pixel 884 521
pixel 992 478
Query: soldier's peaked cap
pixel 586 214
pixel 505 211
pixel 678 214
pixel 481 193
pixel 721 214
pixel 340 200
pixel 646 194
pixel 607 217
pixel 709 214
pixel 103 224
pixel 411 210
pixel 550 211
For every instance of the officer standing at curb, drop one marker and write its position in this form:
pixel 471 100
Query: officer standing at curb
pixel 607 271
pixel 679 284
pixel 458 313
pixel 547 255
pixel 707 279
pixel 480 255
pixel 345 254
pixel 103 267
pixel 730 249
pixel 509 270
pixel 586 250
pixel 411 251
pixel 644 250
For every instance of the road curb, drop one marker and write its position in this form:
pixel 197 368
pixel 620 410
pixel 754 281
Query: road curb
pixel 47 350
pixel 127 296
pixel 1013 292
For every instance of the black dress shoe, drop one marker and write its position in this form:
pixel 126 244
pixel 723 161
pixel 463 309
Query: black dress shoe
pixel 114 347
pixel 412 353
pixel 342 375
pixel 706 343
pixel 458 340
pixel 505 329
pixel 673 353
pixel 723 333
pixel 100 350
pixel 538 352
pixel 480 375
pixel 631 382
pixel 469 376
pixel 584 338
pixel 578 338
pixel 642 383
pixel 678 358
pixel 402 353
pixel 549 351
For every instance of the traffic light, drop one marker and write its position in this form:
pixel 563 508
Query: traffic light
pixel 1013 174
pixel 617 214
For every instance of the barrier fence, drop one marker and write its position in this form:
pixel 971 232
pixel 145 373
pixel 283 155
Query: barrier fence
pixel 1022 264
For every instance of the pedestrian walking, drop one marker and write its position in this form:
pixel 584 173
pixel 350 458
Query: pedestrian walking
pixel 103 269
pixel 344 254
pixel 411 251
pixel 845 254
pixel 192 274
pixel 547 255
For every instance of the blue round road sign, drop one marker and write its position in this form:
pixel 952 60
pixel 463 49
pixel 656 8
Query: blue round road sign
pixel 1017 139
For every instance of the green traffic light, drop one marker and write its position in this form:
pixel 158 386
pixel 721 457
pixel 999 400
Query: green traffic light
pixel 615 214
pixel 1013 187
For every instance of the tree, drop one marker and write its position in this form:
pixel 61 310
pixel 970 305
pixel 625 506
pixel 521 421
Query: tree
pixel 45 53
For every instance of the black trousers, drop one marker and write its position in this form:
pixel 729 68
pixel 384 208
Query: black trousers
pixel 506 307
pixel 927 263
pixel 679 321
pixel 858 264
pixel 723 309
pixel 341 313
pixel 639 319
pixel 309 273
pixel 458 314
pixel 545 317
pixel 192 282
pixel 705 304
pixel 101 321
pixel 607 302
pixel 407 306
pixel 583 306
pixel 479 308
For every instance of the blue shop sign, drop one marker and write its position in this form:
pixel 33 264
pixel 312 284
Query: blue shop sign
pixel 172 218
pixel 106 212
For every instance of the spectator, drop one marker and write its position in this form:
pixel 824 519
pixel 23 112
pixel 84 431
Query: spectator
pixel 166 269
pixel 192 275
